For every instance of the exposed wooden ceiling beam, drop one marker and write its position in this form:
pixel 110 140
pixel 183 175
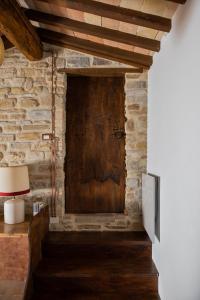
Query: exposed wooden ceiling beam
pixel 18 29
pixel 116 12
pixel 100 72
pixel 102 32
pixel 178 1
pixel 108 52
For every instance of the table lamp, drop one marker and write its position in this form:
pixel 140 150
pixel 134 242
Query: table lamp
pixel 14 181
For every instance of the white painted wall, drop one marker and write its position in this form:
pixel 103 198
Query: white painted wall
pixel 174 154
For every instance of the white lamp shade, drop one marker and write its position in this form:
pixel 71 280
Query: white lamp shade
pixel 14 181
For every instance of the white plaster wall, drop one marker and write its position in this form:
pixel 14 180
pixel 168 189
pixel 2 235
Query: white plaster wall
pixel 174 154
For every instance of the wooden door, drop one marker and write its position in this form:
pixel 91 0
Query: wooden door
pixel 95 145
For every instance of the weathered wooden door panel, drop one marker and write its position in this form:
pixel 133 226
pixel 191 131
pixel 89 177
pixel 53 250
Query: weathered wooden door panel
pixel 95 145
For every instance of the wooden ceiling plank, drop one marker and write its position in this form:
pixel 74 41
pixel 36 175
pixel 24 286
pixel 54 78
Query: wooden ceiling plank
pixel 98 31
pixel 18 30
pixel 100 71
pixel 117 13
pixel 108 52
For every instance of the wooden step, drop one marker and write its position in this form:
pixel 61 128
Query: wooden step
pixel 101 296
pixel 141 285
pixel 94 275
pixel 107 244
pixel 62 266
pixel 111 237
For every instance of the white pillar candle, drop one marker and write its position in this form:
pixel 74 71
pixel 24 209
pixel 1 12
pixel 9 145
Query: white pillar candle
pixel 14 211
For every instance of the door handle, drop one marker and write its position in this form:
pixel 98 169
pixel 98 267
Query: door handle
pixel 119 134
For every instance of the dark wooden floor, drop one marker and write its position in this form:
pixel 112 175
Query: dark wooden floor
pixel 91 266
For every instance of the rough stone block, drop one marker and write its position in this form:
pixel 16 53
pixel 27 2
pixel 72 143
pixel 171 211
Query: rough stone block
pixel 15 156
pixel 92 219
pixel 135 84
pixel 133 107
pixel 45 100
pixel 7 137
pixel 143 118
pixel 141 146
pixel 101 62
pixel 41 90
pixel 17 116
pixel 14 82
pixel 40 64
pixel 3 147
pixel 3 116
pixel 37 127
pixel 60 90
pixel 28 102
pixel 38 81
pixel 36 156
pixel 32 136
pixel 139 93
pixel 144 110
pixel 129 126
pixel 20 146
pixel 132 76
pixel 39 184
pixel 80 62
pixel 11 128
pixel 3 164
pixel 8 72
pixel 17 90
pixel 7 103
pixel 44 168
pixel 40 114
pixel 89 227
pixel 31 72
pixel 130 144
pixel 28 84
pixel 4 91
pixel 133 154
pixel 131 164
pixel 59 101
pixel 131 182
pixel 60 62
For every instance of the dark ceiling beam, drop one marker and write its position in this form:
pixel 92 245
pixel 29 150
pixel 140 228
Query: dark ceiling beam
pixel 178 1
pixel 63 23
pixel 108 52
pixel 100 71
pixel 115 12
pixel 18 30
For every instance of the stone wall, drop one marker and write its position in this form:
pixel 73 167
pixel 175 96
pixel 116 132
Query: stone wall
pixel 25 114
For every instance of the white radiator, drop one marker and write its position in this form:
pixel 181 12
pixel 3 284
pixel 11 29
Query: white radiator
pixel 148 204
